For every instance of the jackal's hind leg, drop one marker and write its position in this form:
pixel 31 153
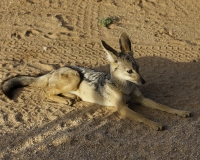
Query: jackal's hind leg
pixel 57 96
pixel 71 96
pixel 59 99
pixel 150 103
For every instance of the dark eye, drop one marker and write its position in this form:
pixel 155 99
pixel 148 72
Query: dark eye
pixel 130 71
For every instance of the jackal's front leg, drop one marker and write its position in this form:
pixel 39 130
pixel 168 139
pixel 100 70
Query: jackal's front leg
pixel 150 103
pixel 128 113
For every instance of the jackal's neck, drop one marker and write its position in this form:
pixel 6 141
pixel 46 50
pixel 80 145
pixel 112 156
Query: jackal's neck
pixel 121 85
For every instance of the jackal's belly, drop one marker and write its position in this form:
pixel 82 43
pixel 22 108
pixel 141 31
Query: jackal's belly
pixel 89 94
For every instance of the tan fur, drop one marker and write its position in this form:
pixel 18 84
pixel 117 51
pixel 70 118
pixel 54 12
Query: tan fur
pixel 65 84
pixel 62 81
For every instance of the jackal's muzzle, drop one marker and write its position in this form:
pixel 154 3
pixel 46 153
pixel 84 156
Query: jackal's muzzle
pixel 142 80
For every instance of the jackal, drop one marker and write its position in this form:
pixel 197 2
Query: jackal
pixel 117 88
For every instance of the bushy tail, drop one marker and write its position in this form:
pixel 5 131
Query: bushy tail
pixel 17 82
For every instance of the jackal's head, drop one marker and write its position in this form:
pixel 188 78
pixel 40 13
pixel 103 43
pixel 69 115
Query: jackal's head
pixel 122 65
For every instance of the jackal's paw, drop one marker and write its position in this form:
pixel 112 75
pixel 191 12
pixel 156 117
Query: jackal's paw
pixel 77 99
pixel 184 114
pixel 157 126
pixel 68 102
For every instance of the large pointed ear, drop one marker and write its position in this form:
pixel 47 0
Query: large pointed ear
pixel 125 43
pixel 111 53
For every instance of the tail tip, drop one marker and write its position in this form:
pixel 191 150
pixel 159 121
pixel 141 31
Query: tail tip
pixel 8 93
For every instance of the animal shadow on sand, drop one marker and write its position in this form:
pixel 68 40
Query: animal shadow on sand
pixel 175 84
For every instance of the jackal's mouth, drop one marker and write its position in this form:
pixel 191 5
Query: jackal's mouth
pixel 140 81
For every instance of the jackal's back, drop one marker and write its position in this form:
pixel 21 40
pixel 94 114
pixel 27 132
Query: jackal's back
pixel 95 79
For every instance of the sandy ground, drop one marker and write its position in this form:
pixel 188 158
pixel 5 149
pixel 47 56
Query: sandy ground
pixel 36 36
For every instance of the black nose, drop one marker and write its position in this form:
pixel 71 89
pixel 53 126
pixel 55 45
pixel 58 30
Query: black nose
pixel 142 80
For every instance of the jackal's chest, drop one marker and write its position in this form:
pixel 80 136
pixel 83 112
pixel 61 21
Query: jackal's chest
pixel 116 95
pixel 135 93
pixel 104 93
